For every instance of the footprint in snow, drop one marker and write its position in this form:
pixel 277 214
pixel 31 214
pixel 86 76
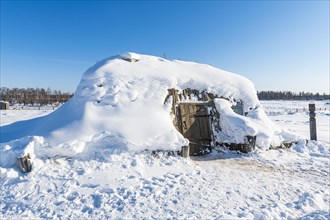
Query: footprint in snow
pixel 157 180
pixel 90 185
pixel 171 175
pixel 57 203
pixel 108 191
pixel 72 196
pixel 134 163
pixel 97 201
pixel 87 209
pixel 80 172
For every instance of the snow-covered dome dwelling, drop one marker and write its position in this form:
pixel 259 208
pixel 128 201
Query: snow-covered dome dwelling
pixel 135 102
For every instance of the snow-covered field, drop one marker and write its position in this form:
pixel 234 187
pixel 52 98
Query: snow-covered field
pixel 9 116
pixel 294 115
pixel 276 184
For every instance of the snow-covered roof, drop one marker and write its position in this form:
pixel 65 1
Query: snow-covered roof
pixel 154 73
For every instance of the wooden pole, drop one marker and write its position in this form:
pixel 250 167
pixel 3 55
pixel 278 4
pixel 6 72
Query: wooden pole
pixel 312 122
pixel 24 163
pixel 185 151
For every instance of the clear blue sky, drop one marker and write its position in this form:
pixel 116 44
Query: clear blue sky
pixel 279 45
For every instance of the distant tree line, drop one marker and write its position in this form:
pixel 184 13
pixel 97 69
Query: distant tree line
pixel 33 96
pixel 42 96
pixel 286 95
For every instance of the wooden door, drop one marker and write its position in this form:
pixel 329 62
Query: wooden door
pixel 194 124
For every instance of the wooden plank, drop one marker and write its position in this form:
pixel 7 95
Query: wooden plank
pixel 195 126
pixel 24 163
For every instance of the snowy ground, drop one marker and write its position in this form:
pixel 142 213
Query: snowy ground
pixel 276 184
pixel 294 115
pixel 10 116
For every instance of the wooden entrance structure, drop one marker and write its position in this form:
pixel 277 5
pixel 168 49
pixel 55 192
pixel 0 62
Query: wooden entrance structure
pixel 193 121
pixel 196 118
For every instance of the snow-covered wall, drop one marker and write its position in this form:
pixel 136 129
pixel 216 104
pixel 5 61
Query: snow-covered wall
pixel 126 100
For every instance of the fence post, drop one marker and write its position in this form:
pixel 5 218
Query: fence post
pixel 185 151
pixel 312 122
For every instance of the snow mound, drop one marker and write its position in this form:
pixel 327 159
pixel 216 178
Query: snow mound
pixel 125 100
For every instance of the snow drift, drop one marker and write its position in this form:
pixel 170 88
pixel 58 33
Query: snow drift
pixel 102 184
pixel 121 99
